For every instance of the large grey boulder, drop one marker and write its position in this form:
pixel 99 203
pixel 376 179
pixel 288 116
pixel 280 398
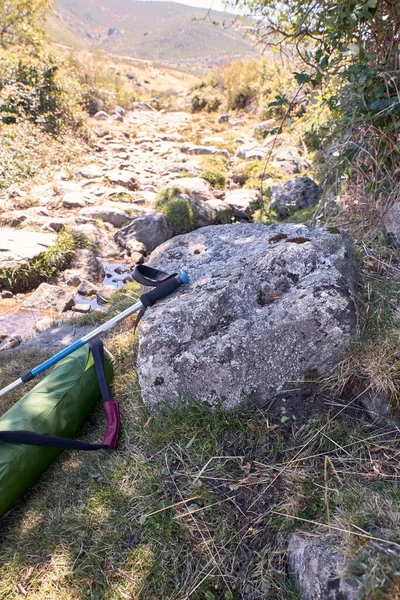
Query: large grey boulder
pixel 391 221
pixel 318 565
pixel 150 230
pixel 294 194
pixel 243 203
pixel 49 297
pixel 268 305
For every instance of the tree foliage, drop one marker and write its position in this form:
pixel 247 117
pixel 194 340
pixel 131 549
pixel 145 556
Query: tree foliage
pixel 351 50
pixel 21 21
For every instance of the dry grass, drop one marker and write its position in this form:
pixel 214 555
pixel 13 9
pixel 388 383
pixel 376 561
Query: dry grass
pixel 199 504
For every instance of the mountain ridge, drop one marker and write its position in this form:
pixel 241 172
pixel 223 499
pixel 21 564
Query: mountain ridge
pixel 155 30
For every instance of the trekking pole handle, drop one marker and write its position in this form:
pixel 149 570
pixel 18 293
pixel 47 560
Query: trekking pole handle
pixel 163 290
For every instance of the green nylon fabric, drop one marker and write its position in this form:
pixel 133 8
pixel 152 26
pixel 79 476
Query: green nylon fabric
pixel 58 405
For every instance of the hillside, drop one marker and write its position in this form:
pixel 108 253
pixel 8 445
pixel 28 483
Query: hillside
pixel 163 31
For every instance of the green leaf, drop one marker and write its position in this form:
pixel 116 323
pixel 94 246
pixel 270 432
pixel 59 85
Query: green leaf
pixel 302 78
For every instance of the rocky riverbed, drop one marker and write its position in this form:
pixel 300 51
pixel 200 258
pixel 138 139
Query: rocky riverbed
pixel 111 199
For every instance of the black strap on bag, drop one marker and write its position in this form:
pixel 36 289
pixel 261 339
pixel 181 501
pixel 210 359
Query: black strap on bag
pixel 30 438
pixel 163 284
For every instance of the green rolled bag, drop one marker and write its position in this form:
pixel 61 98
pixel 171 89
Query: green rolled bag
pixel 57 406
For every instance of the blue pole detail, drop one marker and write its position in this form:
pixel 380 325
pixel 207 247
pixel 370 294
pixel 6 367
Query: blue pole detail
pixel 54 359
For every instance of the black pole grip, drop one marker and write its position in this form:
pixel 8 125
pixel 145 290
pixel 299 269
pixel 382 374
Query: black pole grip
pixel 161 291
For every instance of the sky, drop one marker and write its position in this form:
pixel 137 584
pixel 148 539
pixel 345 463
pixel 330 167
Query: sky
pixel 214 4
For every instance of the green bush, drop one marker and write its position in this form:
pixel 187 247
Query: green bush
pixel 239 98
pixel 215 178
pixel 200 102
pixel 177 208
pixel 37 90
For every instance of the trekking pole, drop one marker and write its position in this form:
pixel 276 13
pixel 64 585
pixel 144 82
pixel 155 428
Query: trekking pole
pixel 163 285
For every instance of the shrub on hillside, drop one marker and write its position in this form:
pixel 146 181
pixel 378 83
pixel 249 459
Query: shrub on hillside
pixel 36 89
pixel 200 102
pixel 240 97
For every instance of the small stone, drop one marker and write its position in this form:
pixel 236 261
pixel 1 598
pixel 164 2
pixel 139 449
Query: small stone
pixel 195 187
pixel 105 294
pixel 224 211
pixel 264 126
pixel 255 154
pixel 107 213
pixel 289 160
pixel 72 277
pixel 73 200
pixel 87 288
pixel 17 193
pixel 123 178
pixel 244 149
pixel 318 564
pixel 101 116
pixel 11 342
pixel 235 123
pixel 223 118
pixel 82 308
pixel 243 202
pixel 7 294
pixel 391 222
pixel 90 172
pixel 199 150
pixel 43 324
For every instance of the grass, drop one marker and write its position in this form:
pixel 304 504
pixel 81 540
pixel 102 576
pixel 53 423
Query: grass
pixel 177 208
pixel 215 171
pixel 200 504
pixel 43 267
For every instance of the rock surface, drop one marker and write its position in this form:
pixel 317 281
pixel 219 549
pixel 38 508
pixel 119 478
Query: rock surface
pixel 391 221
pixel 289 160
pixel 107 213
pixel 267 306
pixel 18 247
pixel 56 338
pixel 196 187
pixel 318 565
pixel 294 194
pixel 150 230
pixel 49 297
pixel 243 203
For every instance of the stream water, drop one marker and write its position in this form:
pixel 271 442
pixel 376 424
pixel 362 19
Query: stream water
pixel 16 321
